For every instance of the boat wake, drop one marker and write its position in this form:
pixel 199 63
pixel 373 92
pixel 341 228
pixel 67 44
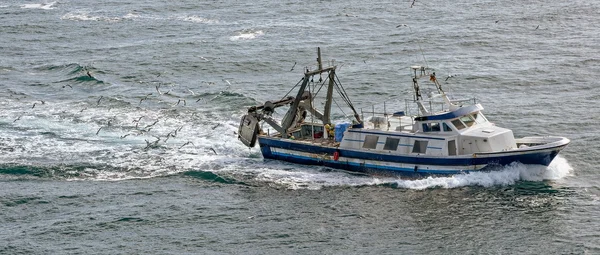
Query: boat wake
pixel 292 178
pixel 508 175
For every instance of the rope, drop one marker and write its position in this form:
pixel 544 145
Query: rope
pixel 301 79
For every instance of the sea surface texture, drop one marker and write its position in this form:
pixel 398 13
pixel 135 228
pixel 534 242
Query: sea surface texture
pixel 118 121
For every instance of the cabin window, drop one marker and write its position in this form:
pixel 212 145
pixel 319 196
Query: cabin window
pixel 446 127
pixel 431 127
pixel 420 146
pixel 458 124
pixel 370 142
pixel 479 118
pixel 468 120
pixel 391 144
pixel 426 127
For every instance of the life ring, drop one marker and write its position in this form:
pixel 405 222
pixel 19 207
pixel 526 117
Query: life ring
pixel 336 156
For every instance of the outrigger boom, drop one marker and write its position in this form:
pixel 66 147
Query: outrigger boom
pixel 297 112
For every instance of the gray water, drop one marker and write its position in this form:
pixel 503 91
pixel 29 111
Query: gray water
pixel 82 169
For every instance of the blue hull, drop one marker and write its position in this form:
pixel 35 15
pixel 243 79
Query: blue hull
pixel 443 166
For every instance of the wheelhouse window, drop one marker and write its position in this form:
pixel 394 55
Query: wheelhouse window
pixel 468 120
pixel 370 142
pixel 419 146
pixel 391 144
pixel 479 118
pixel 426 127
pixel 458 124
pixel 431 127
pixel 446 127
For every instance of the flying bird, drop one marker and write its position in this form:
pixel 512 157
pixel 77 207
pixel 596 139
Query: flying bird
pixel 186 143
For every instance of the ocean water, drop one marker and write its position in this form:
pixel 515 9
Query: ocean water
pixel 118 120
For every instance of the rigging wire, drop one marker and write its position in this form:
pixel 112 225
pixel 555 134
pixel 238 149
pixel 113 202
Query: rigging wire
pixel 301 79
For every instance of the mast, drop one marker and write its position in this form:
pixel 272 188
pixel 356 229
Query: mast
pixel 329 98
pixel 291 114
pixel 418 97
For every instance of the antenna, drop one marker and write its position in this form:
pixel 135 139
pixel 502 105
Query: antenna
pixel 418 43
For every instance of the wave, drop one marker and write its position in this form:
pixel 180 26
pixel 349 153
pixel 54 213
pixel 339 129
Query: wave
pixel 297 177
pixel 85 16
pixel 258 172
pixel 246 35
pixel 504 176
pixel 44 6
pixel 197 19
pixel 211 177
pixel 79 73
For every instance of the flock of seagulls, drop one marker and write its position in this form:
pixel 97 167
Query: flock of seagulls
pixel 139 129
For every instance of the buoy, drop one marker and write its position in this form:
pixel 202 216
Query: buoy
pixel 336 156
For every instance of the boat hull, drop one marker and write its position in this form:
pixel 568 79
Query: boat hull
pixel 383 163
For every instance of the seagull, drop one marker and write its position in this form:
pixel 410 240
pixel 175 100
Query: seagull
pixel 151 125
pixel 179 102
pixel 125 135
pixel 98 130
pixel 18 118
pixel 293 67
pixel 169 135
pixel 538 26
pixel 146 97
pixel 218 124
pixel 214 151
pixel 98 103
pixel 186 143
pixel 138 120
pixel 33 106
pixel 67 86
pixel 160 93
pixel 193 94
pixel 450 76
pixel 413 3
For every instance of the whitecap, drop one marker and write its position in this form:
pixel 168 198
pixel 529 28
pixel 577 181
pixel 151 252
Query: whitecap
pixel 197 19
pixel 83 16
pixel 247 35
pixel 45 6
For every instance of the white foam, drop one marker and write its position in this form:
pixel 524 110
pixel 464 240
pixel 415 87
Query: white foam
pixel 197 19
pixel 247 35
pixel 302 178
pixel 84 16
pixel 131 16
pixel 45 6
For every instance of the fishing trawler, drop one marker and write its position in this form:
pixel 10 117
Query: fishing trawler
pixel 435 136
